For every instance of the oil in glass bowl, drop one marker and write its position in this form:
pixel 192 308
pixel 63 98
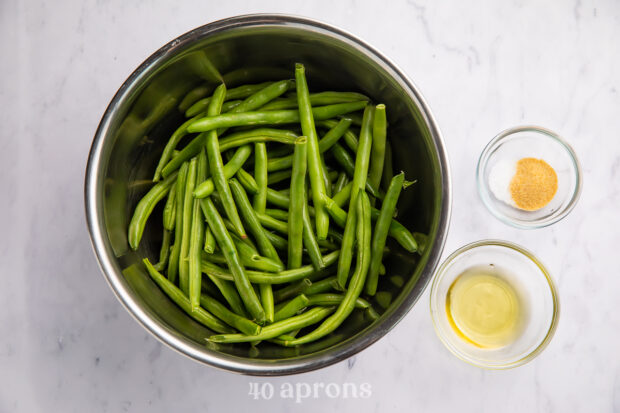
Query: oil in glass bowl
pixel 494 304
pixel 485 308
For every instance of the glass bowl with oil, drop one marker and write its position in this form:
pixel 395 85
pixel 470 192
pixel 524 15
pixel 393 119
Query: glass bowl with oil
pixel 494 304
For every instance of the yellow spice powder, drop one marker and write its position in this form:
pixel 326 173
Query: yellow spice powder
pixel 534 184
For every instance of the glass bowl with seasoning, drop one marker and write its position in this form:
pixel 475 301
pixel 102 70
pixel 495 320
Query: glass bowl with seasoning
pixel 494 304
pixel 529 177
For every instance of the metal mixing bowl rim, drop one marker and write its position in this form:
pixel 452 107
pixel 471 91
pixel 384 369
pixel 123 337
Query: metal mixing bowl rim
pixel 94 213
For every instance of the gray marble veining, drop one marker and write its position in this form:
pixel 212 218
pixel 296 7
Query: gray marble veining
pixel 66 344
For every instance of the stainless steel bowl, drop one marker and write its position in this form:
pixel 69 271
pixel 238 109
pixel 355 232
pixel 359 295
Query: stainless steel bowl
pixel 142 115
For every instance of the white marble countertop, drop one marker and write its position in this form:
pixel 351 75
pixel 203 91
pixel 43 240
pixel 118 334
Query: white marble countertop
pixel 66 343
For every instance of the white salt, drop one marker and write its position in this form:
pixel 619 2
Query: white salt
pixel 499 180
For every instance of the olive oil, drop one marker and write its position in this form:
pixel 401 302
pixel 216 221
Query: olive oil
pixel 484 308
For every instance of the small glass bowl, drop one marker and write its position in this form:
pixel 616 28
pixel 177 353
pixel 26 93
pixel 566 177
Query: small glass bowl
pixel 534 286
pixel 531 142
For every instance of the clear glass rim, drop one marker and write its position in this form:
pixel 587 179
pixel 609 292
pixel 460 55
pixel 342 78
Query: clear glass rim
pixel 543 270
pixel 486 197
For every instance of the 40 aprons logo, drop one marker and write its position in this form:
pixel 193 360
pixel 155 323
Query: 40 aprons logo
pixel 302 391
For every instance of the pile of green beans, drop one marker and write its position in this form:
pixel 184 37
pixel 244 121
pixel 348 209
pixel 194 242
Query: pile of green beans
pixel 275 234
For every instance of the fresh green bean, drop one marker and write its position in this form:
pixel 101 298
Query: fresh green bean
pixel 230 169
pixel 254 261
pixel 276 329
pixel 277 197
pixel 377 154
pixel 230 294
pixel 397 231
pixel 266 299
pixel 348 164
pixel 193 96
pixel 309 240
pixel 175 254
pixel 169 214
pixel 277 164
pixel 291 290
pixel 265 246
pixel 291 308
pixel 216 164
pixel 340 183
pixel 277 213
pixel 240 92
pixel 234 320
pixel 357 119
pixel 263 96
pixel 176 295
pixel 315 165
pixel 326 178
pixel 358 185
pixel 334 134
pixel 260 175
pixel 322 286
pixel 276 177
pixel 388 170
pixel 251 258
pixel 346 255
pixel 174 158
pixel 316 99
pixel 381 231
pixel 342 197
pixel 164 251
pixel 334 299
pixel 357 279
pixel 325 143
pixel 240 277
pixel 256 136
pixel 229 226
pixel 295 210
pixel 282 277
pixel 188 209
pixel 187 153
pixel 145 208
pixel 272 223
pixel 177 135
pixel 349 137
pixel 277 241
pixel 248 182
pixel 209 246
pixel 344 159
pixel 230 105
pixel 196 238
pixel 276 117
